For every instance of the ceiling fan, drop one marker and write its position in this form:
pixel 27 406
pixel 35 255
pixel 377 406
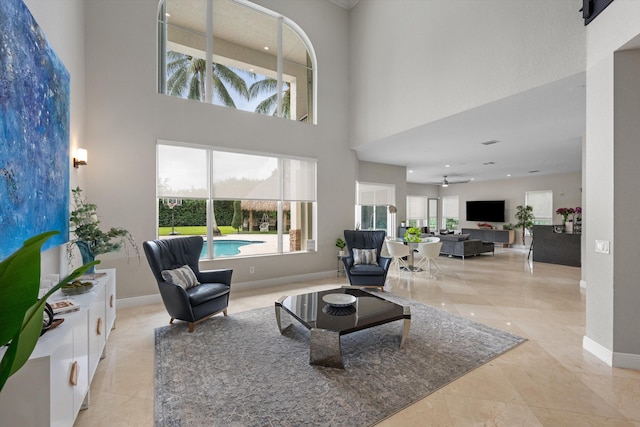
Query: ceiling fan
pixel 445 182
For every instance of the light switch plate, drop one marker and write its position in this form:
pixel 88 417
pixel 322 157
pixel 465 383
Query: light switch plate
pixel 602 246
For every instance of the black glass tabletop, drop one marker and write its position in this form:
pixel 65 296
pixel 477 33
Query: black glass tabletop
pixel 366 311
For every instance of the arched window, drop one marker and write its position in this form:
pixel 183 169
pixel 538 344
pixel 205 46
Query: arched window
pixel 236 54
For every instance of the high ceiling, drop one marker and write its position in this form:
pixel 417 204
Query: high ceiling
pixel 538 132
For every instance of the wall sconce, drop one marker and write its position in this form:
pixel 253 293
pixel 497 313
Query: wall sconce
pixel 80 157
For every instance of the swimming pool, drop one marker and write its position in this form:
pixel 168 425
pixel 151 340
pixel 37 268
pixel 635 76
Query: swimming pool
pixel 222 248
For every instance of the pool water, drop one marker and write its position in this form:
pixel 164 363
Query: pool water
pixel 222 248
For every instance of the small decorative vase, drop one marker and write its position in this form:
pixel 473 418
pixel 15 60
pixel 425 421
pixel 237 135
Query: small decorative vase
pixel 568 227
pixel 341 253
pixel 87 255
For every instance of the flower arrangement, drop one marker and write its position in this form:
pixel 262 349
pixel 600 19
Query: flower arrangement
pixel 90 239
pixel 565 212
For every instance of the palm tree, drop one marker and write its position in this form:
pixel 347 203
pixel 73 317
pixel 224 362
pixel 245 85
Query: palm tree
pixel 187 74
pixel 270 87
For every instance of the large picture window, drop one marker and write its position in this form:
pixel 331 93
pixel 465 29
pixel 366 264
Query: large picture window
pixel 236 54
pixel 242 204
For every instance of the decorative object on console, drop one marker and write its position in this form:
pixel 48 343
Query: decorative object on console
pixel 565 212
pixel 340 243
pixel 485 226
pixel 90 239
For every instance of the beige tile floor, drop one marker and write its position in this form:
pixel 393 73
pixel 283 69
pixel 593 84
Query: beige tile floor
pixel 547 381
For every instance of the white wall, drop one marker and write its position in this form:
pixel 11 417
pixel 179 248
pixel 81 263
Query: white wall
pixel 440 57
pixel 125 117
pixel 63 24
pixel 613 89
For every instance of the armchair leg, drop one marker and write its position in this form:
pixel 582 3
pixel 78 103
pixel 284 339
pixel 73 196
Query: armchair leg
pixel 192 326
pixel 224 312
pixel 171 320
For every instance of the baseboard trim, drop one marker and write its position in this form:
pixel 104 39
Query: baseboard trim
pixel 237 287
pixel 583 284
pixel 598 350
pixel 626 360
pixel 613 359
pixel 138 301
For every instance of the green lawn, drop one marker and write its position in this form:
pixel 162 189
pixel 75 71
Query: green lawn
pixel 202 230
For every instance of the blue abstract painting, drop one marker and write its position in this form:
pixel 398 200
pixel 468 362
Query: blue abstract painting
pixel 34 133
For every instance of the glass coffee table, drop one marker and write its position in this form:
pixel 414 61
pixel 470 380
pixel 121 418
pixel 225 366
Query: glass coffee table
pixel 349 310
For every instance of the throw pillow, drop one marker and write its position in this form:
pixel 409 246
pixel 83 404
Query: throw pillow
pixel 183 277
pixel 365 256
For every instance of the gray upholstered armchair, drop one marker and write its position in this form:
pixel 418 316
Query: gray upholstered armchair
pixel 359 270
pixel 182 297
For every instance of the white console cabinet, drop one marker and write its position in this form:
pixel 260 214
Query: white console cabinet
pixel 51 387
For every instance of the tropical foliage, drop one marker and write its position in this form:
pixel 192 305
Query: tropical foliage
pixel 525 217
pixel 186 78
pixel 21 312
pixel 269 87
pixel 85 225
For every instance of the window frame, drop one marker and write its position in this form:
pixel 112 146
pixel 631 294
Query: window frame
pixel 310 245
pixel 162 44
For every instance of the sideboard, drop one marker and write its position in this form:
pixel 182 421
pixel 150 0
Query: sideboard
pixel 53 385
pixel 556 248
pixel 491 235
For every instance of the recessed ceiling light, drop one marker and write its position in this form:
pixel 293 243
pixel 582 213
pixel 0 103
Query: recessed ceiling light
pixel 251 70
pixel 508 174
pixel 410 170
pixel 447 166
pixel 168 15
pixel 493 141
pixel 472 179
pixel 266 48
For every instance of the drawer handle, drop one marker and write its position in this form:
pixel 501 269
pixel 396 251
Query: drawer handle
pixel 73 378
pixel 111 301
pixel 99 326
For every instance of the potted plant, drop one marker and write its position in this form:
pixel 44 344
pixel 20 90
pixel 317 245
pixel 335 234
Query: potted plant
pixel 340 243
pixel 412 235
pixel 90 239
pixel 21 312
pixel 508 226
pixel 524 215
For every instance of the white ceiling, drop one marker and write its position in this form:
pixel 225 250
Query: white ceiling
pixel 538 130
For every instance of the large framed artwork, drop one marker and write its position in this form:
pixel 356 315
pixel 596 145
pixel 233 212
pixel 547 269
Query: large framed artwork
pixel 34 133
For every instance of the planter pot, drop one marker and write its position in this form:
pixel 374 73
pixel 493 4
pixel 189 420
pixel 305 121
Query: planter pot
pixel 87 255
pixel 568 227
pixel 340 253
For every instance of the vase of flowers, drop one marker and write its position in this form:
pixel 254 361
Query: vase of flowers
pixel 90 239
pixel 565 212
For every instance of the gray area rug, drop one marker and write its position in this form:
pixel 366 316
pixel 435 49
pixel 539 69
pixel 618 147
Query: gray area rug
pixel 240 371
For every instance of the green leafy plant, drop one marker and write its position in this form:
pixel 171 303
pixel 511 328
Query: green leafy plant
pixel 340 243
pixel 21 312
pixel 524 215
pixel 412 235
pixel 508 226
pixel 85 225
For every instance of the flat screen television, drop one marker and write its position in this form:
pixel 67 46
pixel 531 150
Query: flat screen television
pixel 485 210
